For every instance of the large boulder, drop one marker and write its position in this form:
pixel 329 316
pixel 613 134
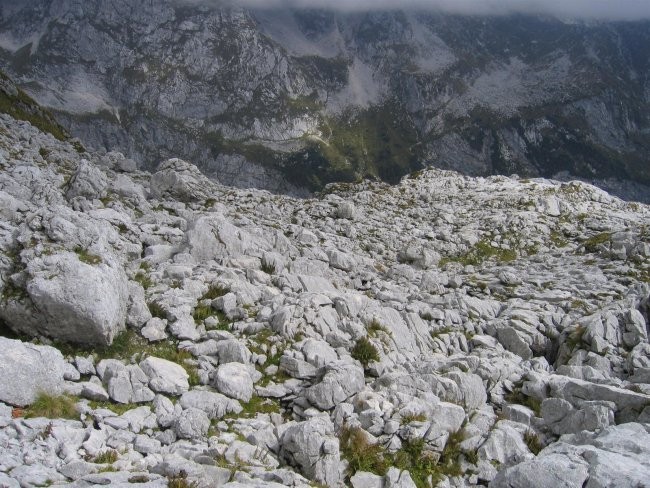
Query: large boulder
pixel 71 297
pixel 340 381
pixel 26 370
pixel 313 447
pixel 616 456
pixel 180 180
pixel 165 376
pixel 88 182
pixel 215 405
pixel 234 381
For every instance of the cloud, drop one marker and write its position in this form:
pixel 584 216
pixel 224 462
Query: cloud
pixel 585 9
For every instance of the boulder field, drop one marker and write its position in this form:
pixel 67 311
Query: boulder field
pixel 446 331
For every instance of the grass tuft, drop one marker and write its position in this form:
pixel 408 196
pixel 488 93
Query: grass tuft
pixel 215 291
pixel 106 457
pixel 53 407
pixel 364 351
pixel 360 454
pixel 85 257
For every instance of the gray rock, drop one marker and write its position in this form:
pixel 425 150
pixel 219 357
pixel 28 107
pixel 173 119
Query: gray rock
pixel 26 370
pixel 363 479
pixel 616 456
pixel 340 381
pixel 313 447
pixel 71 300
pixel 126 384
pixel 94 391
pixel 233 351
pixel 154 330
pixel 138 313
pixel 146 445
pixel 345 210
pixel 215 405
pixel 165 376
pixel 341 260
pixel 192 423
pixel 85 366
pixel 398 479
pixel 87 181
pixel 177 179
pixel 234 381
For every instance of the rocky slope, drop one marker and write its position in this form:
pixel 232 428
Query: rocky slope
pixel 262 97
pixel 449 330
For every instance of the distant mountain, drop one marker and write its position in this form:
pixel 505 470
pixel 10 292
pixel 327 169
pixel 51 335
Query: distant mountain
pixel 291 100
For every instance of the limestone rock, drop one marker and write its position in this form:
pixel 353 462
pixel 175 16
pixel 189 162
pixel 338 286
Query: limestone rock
pixel 27 370
pixel 234 381
pixel 313 447
pixel 165 376
pixel 340 381
pixel 71 300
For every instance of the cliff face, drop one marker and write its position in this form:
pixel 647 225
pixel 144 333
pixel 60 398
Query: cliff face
pixel 264 97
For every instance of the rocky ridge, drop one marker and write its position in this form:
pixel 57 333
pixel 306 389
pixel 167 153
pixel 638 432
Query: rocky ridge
pixel 448 330
pixel 289 100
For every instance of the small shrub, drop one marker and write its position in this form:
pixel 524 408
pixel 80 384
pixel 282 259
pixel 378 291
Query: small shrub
pixel 592 244
pixel 471 456
pixel 413 417
pixel 106 457
pixel 215 291
pixel 180 481
pixel 143 279
pixel 518 397
pixel 53 407
pixel 365 352
pixel 202 312
pixel 533 442
pixel 157 310
pixel 375 328
pixel 421 464
pixel 360 454
pixel 268 268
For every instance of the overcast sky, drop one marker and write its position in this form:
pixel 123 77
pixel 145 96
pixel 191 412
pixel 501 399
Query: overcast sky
pixel 588 9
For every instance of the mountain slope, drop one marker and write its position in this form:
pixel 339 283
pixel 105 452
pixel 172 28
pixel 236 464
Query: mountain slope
pixel 255 97
pixel 439 332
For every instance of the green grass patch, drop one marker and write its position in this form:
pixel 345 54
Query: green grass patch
pixel 116 408
pixel 22 107
pixel 592 244
pixel 157 310
pixel 481 252
pixel 255 406
pixel 360 454
pixel 106 457
pixel 518 397
pixel 558 239
pixel 86 257
pixel 364 351
pixel 53 407
pixel 533 442
pixel 215 291
pixel 413 417
pixel 144 279
pixel 374 329
pixel 202 312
